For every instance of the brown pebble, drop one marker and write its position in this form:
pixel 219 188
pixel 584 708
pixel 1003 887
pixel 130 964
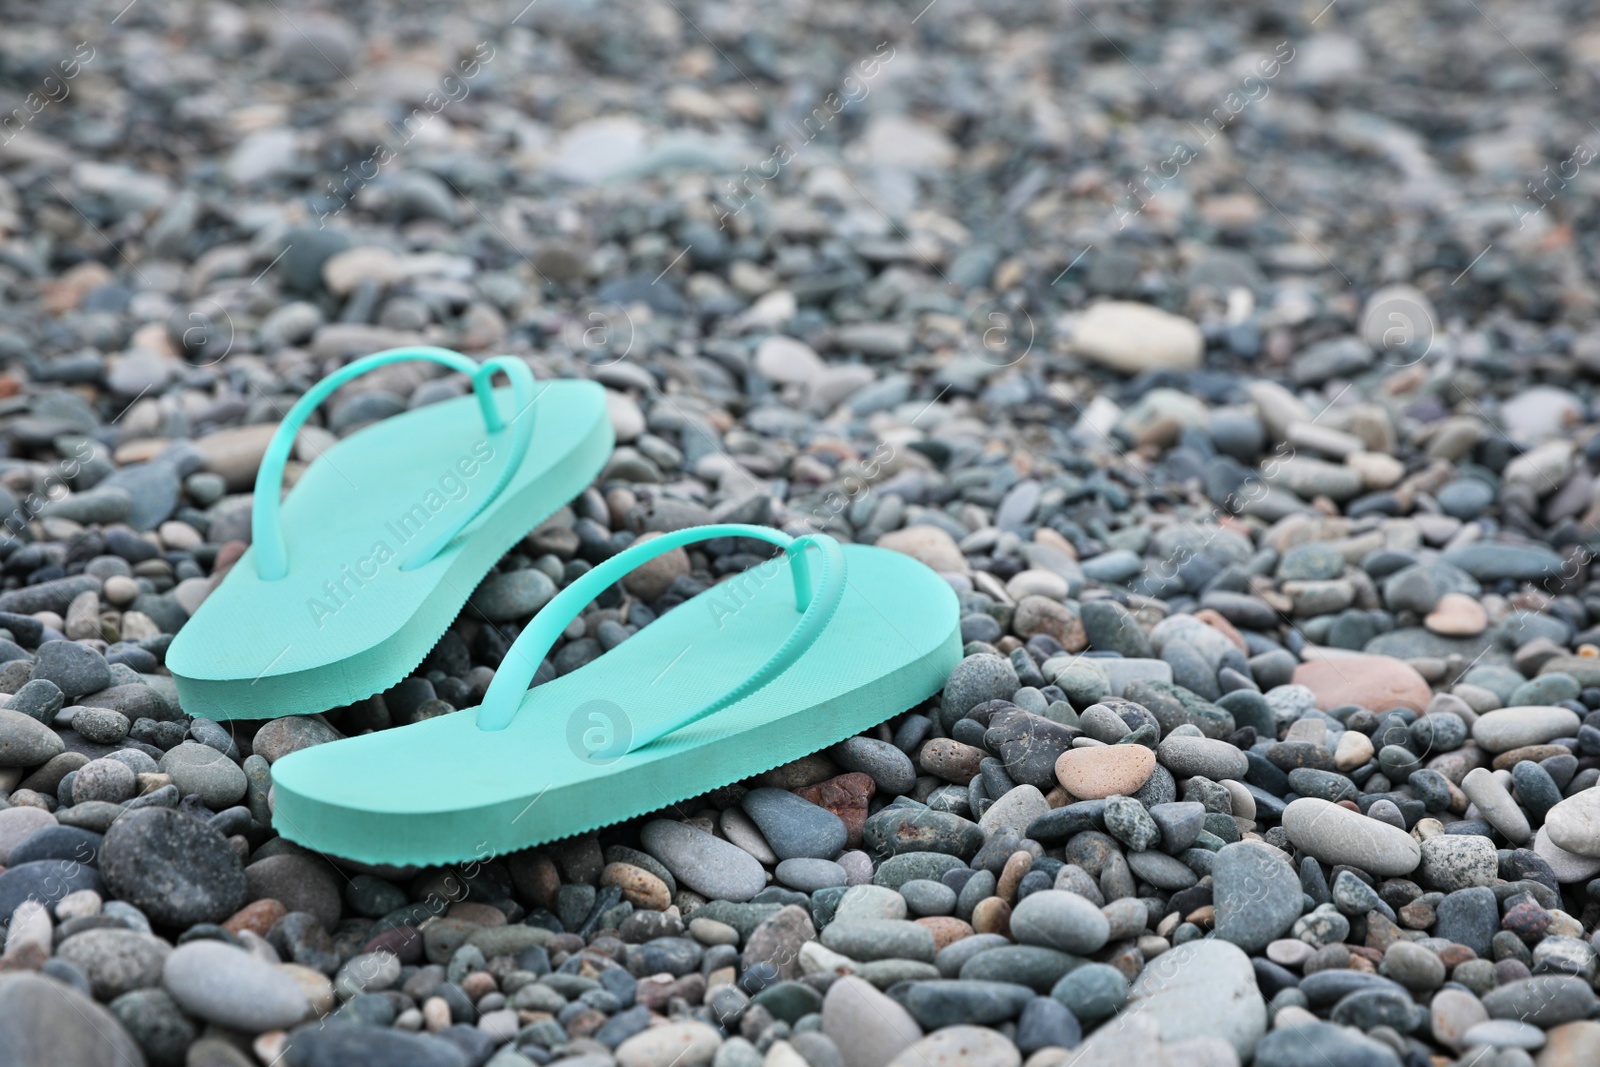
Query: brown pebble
pixel 947 929
pixel 473 912
pixel 1129 960
pixel 992 916
pixel 534 876
pixel 586 1022
pixel 28 956
pixel 1381 933
pixel 478 984
pixel 1457 615
pixel 1110 770
pixel 639 887
pixel 258 917
pixel 654 991
pixel 847 796
pixel 1012 874
pixel 1570 1044
pixel 951 760
pixel 1334 957
pixel 1533 753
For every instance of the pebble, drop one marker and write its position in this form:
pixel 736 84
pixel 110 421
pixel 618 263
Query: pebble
pixel 75 669
pixel 688 1044
pixel 116 961
pixel 1573 825
pixel 929 545
pixel 174 867
pixel 1457 615
pixel 794 827
pixel 1202 989
pixel 1111 770
pixel 17 825
pixel 203 771
pixel 26 742
pixel 1060 920
pixel 1505 1033
pixel 228 986
pixel 1187 757
pixel 1507 728
pixel 960 1046
pixel 1338 835
pixel 1456 861
pixel 1131 337
pixel 1496 805
pixel 1312 1043
pixel 1255 891
pixel 869 1028
pixel 1375 682
pixel 44 1021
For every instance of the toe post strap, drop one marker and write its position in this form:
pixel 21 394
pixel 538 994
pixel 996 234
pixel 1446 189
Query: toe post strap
pixel 269 549
pixel 818 589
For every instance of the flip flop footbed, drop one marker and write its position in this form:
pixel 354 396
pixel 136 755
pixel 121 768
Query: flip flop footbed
pixel 347 621
pixel 443 790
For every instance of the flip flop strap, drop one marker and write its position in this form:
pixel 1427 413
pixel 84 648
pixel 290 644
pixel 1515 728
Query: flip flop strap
pixel 266 523
pixel 815 602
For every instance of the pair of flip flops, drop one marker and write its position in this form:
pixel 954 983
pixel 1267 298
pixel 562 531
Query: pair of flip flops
pixel 353 580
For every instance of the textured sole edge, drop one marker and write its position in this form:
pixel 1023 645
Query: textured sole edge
pixel 942 660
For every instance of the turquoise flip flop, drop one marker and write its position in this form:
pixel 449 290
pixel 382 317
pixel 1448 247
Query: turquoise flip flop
pixel 347 586
pixel 787 658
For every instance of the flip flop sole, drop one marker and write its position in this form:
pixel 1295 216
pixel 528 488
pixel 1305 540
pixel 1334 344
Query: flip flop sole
pixel 444 791
pixel 346 621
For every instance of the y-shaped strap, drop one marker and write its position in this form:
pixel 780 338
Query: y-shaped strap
pixel 815 605
pixel 272 561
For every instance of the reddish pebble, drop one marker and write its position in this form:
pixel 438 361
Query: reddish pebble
pixel 258 917
pixel 946 929
pixel 1012 874
pixel 845 795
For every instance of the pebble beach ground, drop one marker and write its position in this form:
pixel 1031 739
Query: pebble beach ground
pixel 1234 362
